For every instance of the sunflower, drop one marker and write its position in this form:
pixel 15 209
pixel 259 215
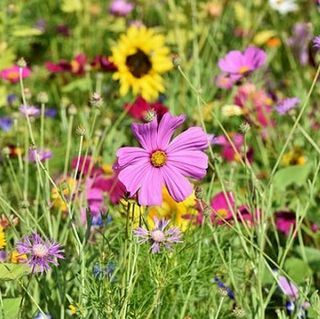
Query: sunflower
pixel 141 57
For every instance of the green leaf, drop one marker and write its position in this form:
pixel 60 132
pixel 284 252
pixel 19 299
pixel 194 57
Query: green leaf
pixel 80 84
pixel 296 174
pixel 24 31
pixel 313 257
pixel 13 271
pixel 71 6
pixel 10 308
pixel 7 58
pixel 297 269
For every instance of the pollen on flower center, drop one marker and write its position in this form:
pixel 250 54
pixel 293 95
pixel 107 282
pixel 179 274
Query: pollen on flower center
pixel 222 213
pixel 138 63
pixel 39 250
pixel 158 158
pixel 158 236
pixel 244 69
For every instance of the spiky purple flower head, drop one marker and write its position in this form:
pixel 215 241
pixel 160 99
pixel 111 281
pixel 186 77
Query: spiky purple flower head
pixel 160 236
pixel 286 105
pixel 316 42
pixel 41 253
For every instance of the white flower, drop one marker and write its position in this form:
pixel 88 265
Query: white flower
pixel 284 6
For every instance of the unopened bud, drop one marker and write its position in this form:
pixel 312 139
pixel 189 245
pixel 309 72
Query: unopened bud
pixel 150 115
pixel 21 63
pixel 81 130
pixel 72 110
pixel 43 98
pixel 96 100
pixel 176 60
pixel 244 127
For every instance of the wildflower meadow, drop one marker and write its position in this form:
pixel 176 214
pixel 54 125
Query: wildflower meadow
pixel 159 159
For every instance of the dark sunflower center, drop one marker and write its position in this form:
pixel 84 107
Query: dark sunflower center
pixel 138 63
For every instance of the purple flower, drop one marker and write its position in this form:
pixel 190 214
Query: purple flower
pixel 42 316
pixel 5 123
pixel 286 105
pixel 11 98
pixel 41 253
pixel 160 236
pixel 316 42
pixel 145 170
pixel 30 111
pixel 238 64
pixel 51 112
pixel 39 154
pixel 224 81
pixel 299 41
pixel 121 7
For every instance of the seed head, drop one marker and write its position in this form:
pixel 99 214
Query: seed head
pixel 244 127
pixel 150 115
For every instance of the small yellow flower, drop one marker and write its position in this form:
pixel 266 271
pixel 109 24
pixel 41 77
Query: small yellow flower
pixel 141 57
pixel 17 258
pixel 231 110
pixel 293 157
pixel 175 211
pixel 67 187
pixel 3 241
pixel 73 309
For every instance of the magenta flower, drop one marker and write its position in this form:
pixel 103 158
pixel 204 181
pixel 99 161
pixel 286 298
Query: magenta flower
pixel 221 204
pixel 286 105
pixel 228 152
pixel 224 208
pixel 224 81
pixel 238 64
pixel 158 162
pixel 285 222
pixel 39 154
pixel 160 236
pixel 12 74
pixel 121 7
pixel 41 253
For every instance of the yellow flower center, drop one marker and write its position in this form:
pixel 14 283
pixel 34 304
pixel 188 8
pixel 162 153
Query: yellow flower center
pixel 139 64
pixel 13 75
pixel 244 69
pixel 158 158
pixel 222 213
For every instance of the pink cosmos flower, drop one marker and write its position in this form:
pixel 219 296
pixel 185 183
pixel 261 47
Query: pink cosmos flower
pixel 121 7
pixel 224 81
pixel 139 108
pixel 223 208
pixel 95 202
pixel 238 64
pixel 12 74
pixel 228 152
pixel 158 162
pixel 256 104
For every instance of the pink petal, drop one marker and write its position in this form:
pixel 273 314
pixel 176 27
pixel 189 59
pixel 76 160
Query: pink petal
pixel 146 134
pixel 131 155
pixel 190 163
pixel 192 139
pixel 178 186
pixel 220 201
pixel 132 176
pixel 288 288
pixel 166 128
pixel 232 62
pixel 150 193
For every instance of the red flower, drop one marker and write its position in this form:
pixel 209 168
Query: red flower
pixel 139 108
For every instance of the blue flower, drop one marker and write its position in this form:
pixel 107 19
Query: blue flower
pixel 221 285
pixel 5 123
